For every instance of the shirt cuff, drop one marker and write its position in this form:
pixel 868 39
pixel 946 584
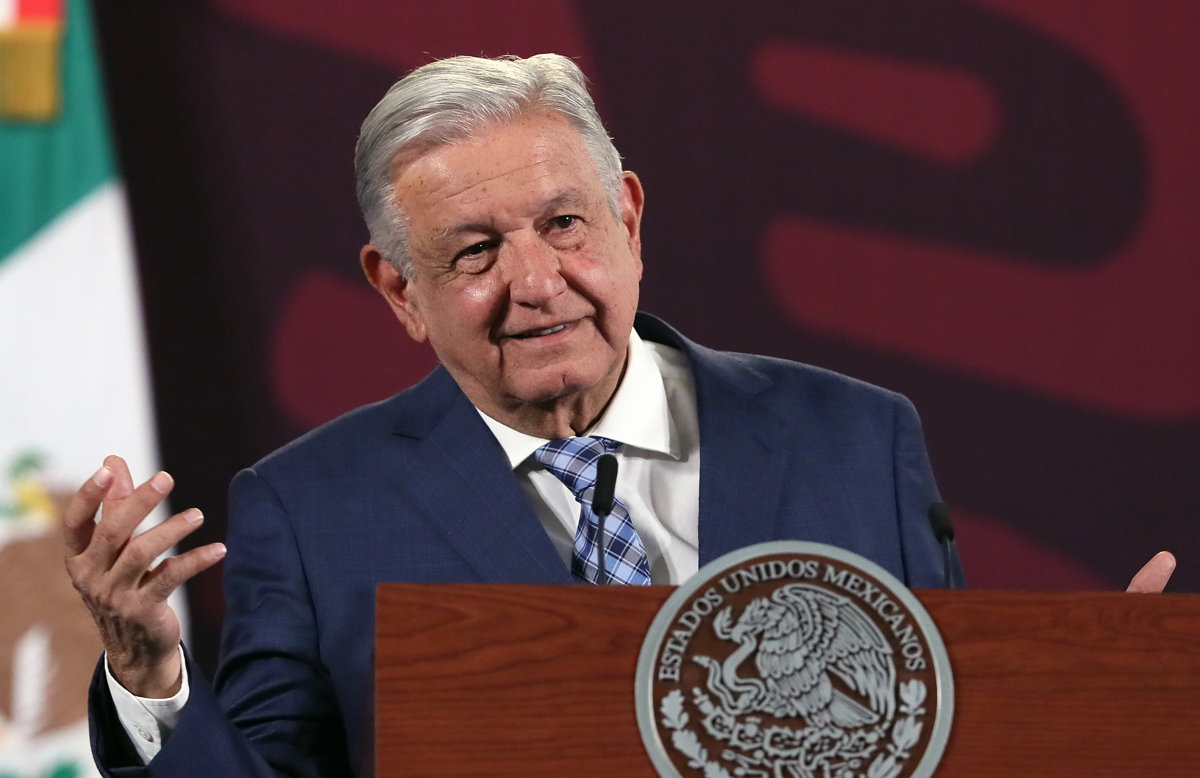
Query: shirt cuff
pixel 148 722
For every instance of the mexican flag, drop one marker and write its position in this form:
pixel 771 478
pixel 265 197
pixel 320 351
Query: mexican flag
pixel 74 381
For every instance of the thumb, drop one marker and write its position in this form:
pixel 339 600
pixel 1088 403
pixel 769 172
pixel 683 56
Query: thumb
pixel 1153 577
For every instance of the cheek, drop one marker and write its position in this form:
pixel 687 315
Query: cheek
pixel 610 266
pixel 477 304
pixel 621 281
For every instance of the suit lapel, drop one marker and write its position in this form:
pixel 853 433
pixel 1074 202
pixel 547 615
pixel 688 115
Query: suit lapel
pixel 743 447
pixel 466 487
pixel 742 455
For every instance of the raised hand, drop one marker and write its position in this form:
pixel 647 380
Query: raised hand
pixel 1153 577
pixel 111 570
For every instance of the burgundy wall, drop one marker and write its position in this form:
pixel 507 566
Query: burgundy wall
pixel 991 206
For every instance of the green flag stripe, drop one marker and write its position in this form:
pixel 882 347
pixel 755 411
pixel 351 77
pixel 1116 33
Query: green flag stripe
pixel 47 167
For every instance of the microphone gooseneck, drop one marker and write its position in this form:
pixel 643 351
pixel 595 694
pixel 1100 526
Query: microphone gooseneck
pixel 602 504
pixel 943 530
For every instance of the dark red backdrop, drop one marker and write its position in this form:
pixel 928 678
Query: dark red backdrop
pixel 992 206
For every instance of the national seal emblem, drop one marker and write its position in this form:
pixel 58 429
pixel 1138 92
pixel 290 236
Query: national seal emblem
pixel 794 660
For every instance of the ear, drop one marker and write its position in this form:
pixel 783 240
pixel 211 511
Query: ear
pixel 396 289
pixel 630 203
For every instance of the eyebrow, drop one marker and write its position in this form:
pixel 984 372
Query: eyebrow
pixel 462 229
pixel 568 199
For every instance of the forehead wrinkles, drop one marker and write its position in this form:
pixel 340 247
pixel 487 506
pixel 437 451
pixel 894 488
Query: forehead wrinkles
pixel 514 194
pixel 519 183
pixel 499 151
pixel 502 149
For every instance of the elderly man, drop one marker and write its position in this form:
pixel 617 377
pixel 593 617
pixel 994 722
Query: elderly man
pixel 504 232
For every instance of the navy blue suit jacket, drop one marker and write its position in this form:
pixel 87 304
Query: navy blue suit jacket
pixel 417 489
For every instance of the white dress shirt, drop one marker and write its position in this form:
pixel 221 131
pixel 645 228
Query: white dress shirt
pixel 653 414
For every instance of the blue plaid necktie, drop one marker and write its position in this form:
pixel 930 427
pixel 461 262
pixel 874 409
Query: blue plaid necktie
pixel 573 461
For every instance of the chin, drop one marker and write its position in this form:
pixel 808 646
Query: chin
pixel 542 389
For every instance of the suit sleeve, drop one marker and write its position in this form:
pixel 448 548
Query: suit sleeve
pixel 915 492
pixel 272 710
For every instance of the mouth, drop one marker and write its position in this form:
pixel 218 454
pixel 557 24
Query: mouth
pixel 540 333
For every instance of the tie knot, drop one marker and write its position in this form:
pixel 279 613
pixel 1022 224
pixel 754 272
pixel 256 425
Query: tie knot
pixel 573 460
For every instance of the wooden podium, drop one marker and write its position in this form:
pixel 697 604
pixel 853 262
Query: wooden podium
pixel 478 680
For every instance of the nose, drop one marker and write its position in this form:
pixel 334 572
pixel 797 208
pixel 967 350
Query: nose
pixel 534 271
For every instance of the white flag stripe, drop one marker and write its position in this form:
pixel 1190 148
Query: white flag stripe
pixel 76 383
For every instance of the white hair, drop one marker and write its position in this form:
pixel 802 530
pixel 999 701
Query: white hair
pixel 445 102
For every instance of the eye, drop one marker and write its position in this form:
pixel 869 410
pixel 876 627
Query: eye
pixel 475 250
pixel 564 222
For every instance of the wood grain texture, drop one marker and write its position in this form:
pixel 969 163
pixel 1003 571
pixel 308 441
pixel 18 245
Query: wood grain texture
pixel 538 681
pixel 1072 684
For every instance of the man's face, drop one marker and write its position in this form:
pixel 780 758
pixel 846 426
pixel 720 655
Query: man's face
pixel 526 284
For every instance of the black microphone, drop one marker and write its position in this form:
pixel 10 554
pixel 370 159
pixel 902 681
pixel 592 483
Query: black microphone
pixel 602 503
pixel 943 530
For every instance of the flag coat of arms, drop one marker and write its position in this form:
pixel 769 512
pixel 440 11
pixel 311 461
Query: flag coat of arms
pixel 74 379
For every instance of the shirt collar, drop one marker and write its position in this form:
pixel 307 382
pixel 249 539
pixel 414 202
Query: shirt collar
pixel 638 415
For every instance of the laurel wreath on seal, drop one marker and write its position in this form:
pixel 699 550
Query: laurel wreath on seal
pixel 905 733
pixel 684 740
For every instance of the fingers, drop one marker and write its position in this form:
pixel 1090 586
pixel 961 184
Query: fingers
pixel 122 479
pixel 141 551
pixel 1153 577
pixel 79 518
pixel 111 482
pixel 121 518
pixel 175 571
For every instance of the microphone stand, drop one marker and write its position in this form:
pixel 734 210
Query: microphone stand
pixel 602 504
pixel 943 530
